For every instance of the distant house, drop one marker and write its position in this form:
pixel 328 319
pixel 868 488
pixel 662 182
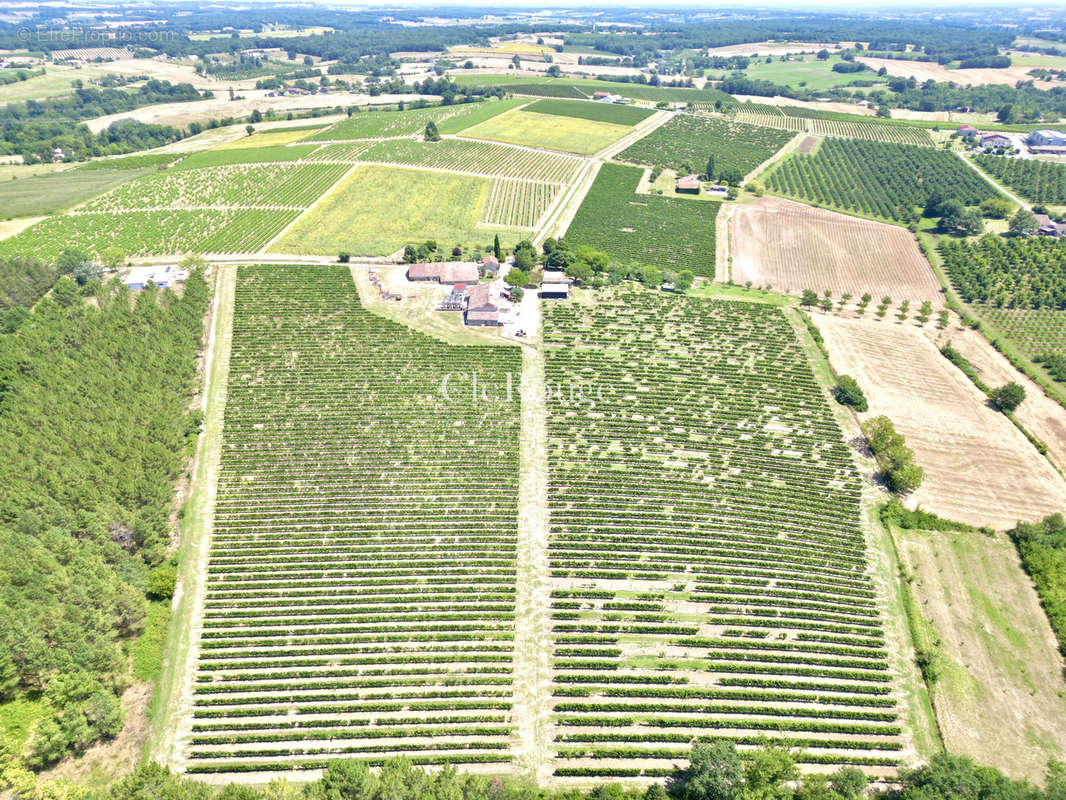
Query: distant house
pixel 444 272
pixel 1048 227
pixel 966 130
pixel 690 184
pixel 1047 138
pixel 483 305
pixel 995 140
pixel 139 277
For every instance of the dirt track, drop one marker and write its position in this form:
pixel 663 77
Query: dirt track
pixel 979 468
pixel 795 247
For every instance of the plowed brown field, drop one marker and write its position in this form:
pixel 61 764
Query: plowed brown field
pixel 795 247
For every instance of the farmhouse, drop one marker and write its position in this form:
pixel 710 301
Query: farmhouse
pixel 139 277
pixel 483 305
pixel 444 272
pixel 995 140
pixel 690 184
pixel 966 130
pixel 490 266
pixel 1048 227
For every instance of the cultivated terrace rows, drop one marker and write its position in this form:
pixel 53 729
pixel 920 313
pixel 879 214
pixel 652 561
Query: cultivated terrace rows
pixel 361 583
pixel 708 567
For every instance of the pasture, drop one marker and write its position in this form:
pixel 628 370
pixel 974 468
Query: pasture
pixel 708 568
pixel 979 468
pixel 644 229
pixel 360 586
pixel 377 210
pixel 1000 698
pixel 565 134
pixel 806 71
pixel 59 191
pixel 796 247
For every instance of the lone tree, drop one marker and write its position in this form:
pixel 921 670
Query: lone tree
pixel 809 298
pixel 683 281
pixel 1023 223
pixel 496 249
pixel 1007 397
pixel 432 134
pixel 710 167
pixel 849 393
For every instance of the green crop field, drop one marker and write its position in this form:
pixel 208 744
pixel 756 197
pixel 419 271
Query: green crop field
pixel 890 181
pixel 644 229
pixel 586 87
pixel 449 119
pixel 600 112
pixel 50 194
pixel 686 142
pixel 138 161
pixel 377 210
pixel 807 72
pixel 1036 181
pixel 566 134
pixel 708 567
pixel 361 585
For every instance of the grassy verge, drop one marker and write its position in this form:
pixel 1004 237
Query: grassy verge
pixel 146 653
pixel 726 291
pixel 166 707
pixel 18 717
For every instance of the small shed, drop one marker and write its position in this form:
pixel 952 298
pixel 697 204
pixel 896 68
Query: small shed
pixel 555 276
pixel 490 266
pixel 690 184
pixel 555 291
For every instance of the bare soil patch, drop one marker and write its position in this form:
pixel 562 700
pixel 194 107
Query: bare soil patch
pixel 979 468
pixel 1001 699
pixel 795 247
pixel 807 145
pixel 923 71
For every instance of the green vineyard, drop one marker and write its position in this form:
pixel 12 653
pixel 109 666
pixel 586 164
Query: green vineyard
pixel 517 204
pixel 708 568
pixel 153 232
pixel 377 124
pixel 247 186
pixel 889 181
pixel 686 142
pixel 361 581
pixel 644 229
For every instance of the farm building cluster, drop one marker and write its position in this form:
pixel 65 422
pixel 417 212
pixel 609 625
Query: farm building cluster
pixel 138 278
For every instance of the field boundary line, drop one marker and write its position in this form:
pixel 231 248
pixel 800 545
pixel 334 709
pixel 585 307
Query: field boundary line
pixel 171 720
pixel 532 674
pixel 568 204
pixel 318 200
pixel 787 148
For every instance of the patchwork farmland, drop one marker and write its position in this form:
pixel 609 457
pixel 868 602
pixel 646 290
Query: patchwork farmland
pixel 361 584
pixel 681 605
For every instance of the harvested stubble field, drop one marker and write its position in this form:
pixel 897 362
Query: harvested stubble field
pixel 795 247
pixel 979 468
pixel 923 71
pixel 709 573
pixel 564 134
pixel 361 582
